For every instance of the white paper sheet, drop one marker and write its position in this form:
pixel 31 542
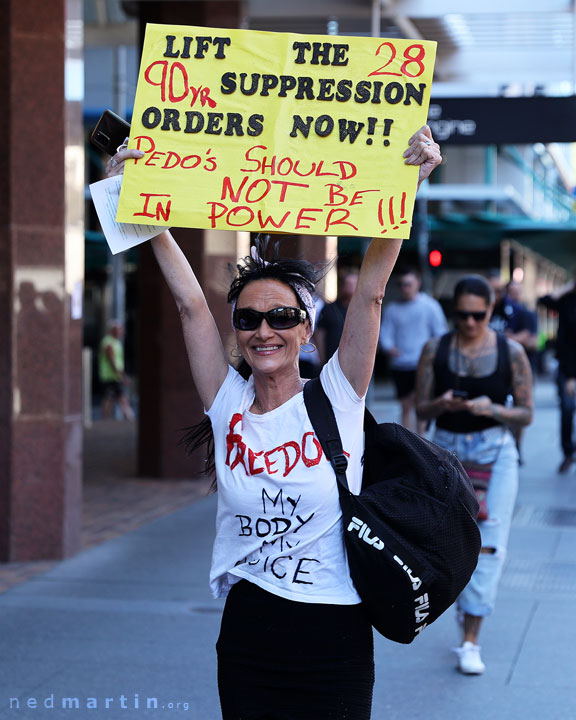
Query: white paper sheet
pixel 120 236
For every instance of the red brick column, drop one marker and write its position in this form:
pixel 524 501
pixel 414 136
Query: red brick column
pixel 41 269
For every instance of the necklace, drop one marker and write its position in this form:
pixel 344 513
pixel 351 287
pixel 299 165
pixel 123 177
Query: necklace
pixel 471 362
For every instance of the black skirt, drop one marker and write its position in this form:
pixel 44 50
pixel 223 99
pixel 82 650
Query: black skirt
pixel 285 660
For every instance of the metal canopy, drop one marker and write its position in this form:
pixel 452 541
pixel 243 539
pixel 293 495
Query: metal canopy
pixel 516 47
pixel 505 196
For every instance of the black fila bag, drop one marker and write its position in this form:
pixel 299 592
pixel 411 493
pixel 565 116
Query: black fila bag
pixel 411 535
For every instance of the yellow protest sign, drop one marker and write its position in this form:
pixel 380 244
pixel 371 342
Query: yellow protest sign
pixel 276 132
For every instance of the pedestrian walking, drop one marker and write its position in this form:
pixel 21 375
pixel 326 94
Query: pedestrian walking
pixel 563 301
pixel 333 316
pixel 294 642
pixel 111 373
pixel 407 325
pixel 464 381
pixel 309 360
pixel 526 330
pixel 512 318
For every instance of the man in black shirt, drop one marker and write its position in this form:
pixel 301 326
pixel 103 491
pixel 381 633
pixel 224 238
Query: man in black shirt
pixel 563 301
pixel 513 319
pixel 331 320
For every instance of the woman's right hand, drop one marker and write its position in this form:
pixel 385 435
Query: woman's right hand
pixel 115 166
pixel 449 403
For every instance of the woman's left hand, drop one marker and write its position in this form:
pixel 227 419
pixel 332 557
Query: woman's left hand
pixel 423 151
pixel 480 406
pixel 115 166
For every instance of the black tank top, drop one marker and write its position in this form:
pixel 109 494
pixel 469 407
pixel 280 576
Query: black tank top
pixel 496 386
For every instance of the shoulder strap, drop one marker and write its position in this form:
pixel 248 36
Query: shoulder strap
pixel 440 362
pixel 323 421
pixel 441 356
pixel 504 364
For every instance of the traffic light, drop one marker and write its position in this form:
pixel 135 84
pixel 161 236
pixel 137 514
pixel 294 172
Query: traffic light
pixel 435 257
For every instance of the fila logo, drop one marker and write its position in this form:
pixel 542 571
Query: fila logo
pixel 423 604
pixel 416 582
pixel 364 533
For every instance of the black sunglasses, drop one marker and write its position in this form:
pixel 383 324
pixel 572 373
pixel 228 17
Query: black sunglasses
pixel 281 318
pixel 477 316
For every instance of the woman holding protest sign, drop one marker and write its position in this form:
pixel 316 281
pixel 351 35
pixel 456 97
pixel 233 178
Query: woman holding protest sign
pixel 294 642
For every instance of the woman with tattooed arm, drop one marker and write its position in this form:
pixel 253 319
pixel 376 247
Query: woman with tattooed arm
pixel 477 385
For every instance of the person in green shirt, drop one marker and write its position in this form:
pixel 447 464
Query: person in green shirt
pixel 111 372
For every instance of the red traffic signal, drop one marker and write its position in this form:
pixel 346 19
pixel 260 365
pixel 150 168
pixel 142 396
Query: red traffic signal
pixel 435 258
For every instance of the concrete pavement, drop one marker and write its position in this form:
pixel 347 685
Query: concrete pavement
pixel 130 625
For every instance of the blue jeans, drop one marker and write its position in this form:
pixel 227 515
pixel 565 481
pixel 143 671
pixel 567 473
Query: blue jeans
pixel 567 409
pixel 494 445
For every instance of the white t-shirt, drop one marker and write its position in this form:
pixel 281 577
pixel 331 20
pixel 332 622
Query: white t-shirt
pixel 407 326
pixel 279 523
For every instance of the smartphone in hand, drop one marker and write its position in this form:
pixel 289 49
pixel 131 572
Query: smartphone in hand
pixel 110 132
pixel 460 394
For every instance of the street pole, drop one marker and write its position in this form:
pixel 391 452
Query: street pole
pixel 423 238
pixel 376 17
pixel 118 276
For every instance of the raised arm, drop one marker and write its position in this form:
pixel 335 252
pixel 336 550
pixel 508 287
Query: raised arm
pixel 357 348
pixel 550 301
pixel 206 354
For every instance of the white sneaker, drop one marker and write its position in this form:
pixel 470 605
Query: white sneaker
pixel 469 660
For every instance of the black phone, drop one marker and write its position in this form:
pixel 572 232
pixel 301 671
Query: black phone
pixel 460 394
pixel 110 132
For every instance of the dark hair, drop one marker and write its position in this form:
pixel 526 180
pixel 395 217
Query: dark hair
pixel 408 270
pixel 474 285
pixel 265 265
pixel 493 273
pixel 268 265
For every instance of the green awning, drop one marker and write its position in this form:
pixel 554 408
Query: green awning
pixel 554 241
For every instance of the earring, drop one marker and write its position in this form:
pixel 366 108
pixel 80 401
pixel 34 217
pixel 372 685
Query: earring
pixel 236 354
pixel 311 349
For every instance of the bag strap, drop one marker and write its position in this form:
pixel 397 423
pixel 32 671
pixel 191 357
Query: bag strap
pixel 441 356
pixel 321 414
pixel 504 365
